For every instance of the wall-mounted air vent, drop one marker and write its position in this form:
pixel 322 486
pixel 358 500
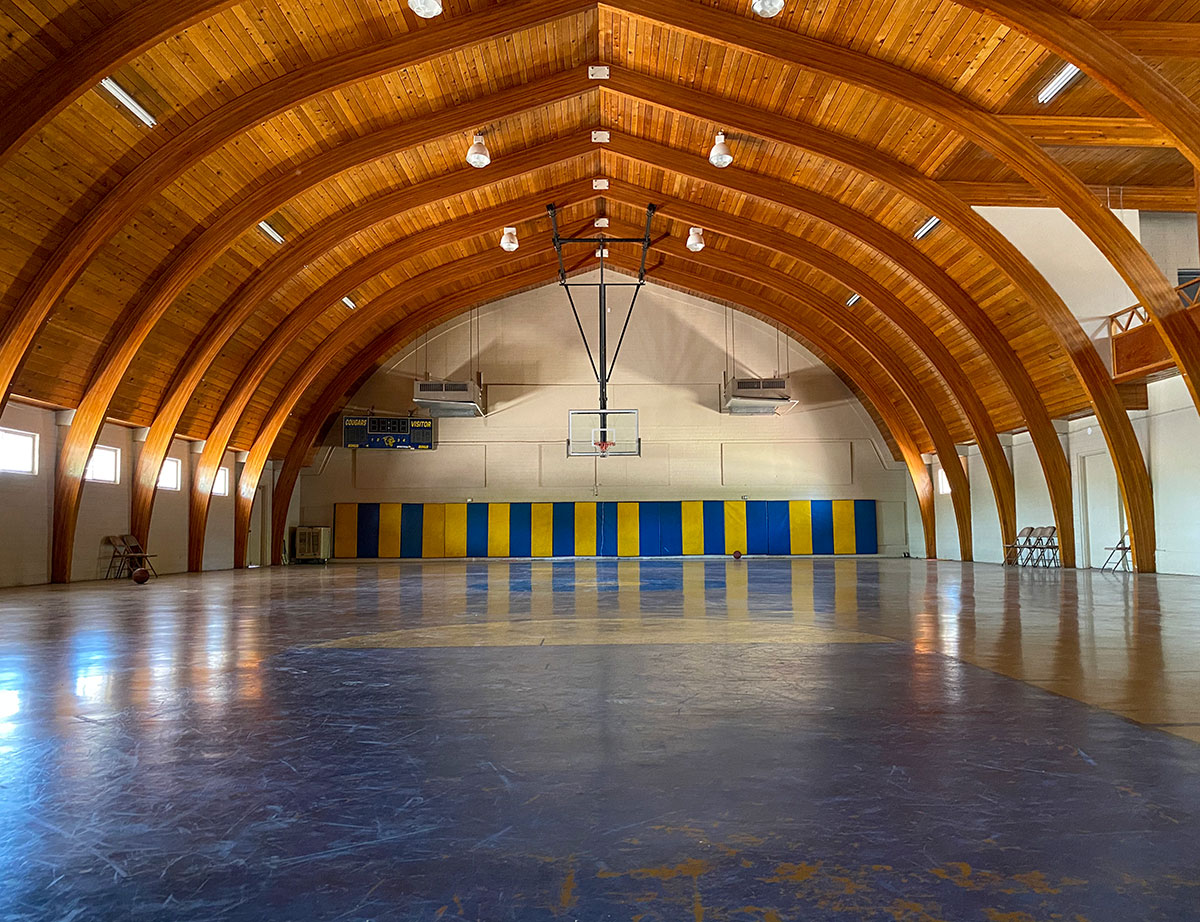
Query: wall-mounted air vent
pixel 756 396
pixel 444 399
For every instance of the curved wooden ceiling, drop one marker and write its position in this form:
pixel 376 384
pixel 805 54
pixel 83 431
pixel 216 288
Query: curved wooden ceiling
pixel 137 287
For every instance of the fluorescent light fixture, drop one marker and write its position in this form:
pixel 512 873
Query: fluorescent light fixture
pixel 602 253
pixel 601 222
pixel 927 228
pixel 509 242
pixel 768 8
pixel 122 96
pixel 349 303
pixel 477 154
pixel 1063 79
pixel 720 156
pixel 695 241
pixel 853 299
pixel 270 231
pixel 426 9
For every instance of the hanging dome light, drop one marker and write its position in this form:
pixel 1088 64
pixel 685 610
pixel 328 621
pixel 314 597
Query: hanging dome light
pixel 695 241
pixel 767 8
pixel 426 9
pixel 509 243
pixel 477 153
pixel 720 156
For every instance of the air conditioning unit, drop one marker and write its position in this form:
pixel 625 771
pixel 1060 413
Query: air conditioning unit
pixel 757 397
pixel 447 399
pixel 314 544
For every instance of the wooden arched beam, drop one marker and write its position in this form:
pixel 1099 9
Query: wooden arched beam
pixel 1089 370
pixel 809 301
pixel 194 367
pixel 139 321
pixel 1103 58
pixel 327 296
pixel 56 274
pixel 335 394
pixel 912 328
pixel 308 248
pixel 30 107
pixel 300 319
pixel 314 363
pixel 1006 143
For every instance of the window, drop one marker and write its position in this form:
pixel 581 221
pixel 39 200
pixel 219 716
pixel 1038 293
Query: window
pixel 943 483
pixel 18 451
pixel 171 475
pixel 221 484
pixel 104 466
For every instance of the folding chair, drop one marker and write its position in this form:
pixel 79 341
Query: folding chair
pixel 119 561
pixel 1121 552
pixel 1037 548
pixel 1012 552
pixel 136 557
pixel 1051 547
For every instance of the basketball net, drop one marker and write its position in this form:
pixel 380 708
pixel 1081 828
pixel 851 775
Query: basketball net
pixel 604 447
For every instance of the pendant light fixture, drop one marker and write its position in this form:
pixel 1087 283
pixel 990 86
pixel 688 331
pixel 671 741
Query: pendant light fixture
pixel 767 9
pixel 477 153
pixel 720 156
pixel 426 9
pixel 695 241
pixel 509 242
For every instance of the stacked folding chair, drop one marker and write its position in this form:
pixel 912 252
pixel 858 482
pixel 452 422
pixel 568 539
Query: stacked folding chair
pixel 1015 552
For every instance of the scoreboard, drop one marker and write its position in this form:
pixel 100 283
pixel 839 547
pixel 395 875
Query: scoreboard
pixel 389 432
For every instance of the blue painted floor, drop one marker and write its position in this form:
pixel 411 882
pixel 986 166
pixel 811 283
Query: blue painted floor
pixel 509 743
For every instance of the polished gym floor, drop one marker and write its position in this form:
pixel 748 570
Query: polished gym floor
pixel 762 740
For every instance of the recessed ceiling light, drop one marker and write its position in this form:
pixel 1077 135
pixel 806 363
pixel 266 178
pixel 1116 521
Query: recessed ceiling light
pixel 122 96
pixel 270 231
pixel 426 9
pixel 350 304
pixel 509 242
pixel 927 228
pixel 695 241
pixel 720 156
pixel 853 299
pixel 1063 79
pixel 768 8
pixel 477 154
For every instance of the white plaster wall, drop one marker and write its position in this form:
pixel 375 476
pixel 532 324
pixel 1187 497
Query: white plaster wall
pixel 168 526
pixel 1171 239
pixel 28 504
pixel 218 535
pixel 670 369
pixel 27 500
pixel 1173 428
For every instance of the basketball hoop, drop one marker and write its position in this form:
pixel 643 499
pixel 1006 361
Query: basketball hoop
pixel 602 448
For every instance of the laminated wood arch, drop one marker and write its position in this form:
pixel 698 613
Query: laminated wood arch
pixel 29 108
pixel 285 401
pixel 338 391
pixel 1004 142
pixel 1105 59
pixel 317 361
pixel 308 248
pixel 56 274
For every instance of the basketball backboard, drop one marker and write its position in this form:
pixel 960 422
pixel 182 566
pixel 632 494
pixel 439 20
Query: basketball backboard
pixel 603 433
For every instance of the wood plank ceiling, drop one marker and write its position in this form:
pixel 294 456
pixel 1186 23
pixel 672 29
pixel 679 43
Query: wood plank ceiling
pixel 136 285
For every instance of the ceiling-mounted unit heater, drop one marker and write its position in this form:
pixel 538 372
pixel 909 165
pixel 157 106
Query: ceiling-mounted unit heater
pixel 449 399
pixel 757 397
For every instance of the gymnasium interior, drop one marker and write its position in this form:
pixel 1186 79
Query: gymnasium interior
pixel 585 460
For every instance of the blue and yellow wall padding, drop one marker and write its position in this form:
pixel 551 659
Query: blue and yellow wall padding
pixel 643 529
